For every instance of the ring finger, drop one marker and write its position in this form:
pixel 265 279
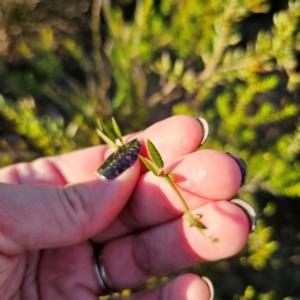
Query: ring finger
pixel 131 260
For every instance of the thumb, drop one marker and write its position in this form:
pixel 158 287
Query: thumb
pixel 45 216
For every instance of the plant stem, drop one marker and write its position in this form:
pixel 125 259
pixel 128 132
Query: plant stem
pixel 188 215
pixel 170 182
pixel 220 47
pixel 243 64
pixel 96 37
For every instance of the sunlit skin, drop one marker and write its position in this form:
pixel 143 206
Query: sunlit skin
pixel 59 203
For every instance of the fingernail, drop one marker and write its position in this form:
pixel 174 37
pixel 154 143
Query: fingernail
pixel 211 287
pixel 120 160
pixel 205 128
pixel 249 210
pixel 242 165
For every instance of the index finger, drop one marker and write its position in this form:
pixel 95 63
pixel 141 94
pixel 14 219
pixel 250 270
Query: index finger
pixel 174 137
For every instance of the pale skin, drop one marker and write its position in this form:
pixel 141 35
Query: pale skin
pixel 52 207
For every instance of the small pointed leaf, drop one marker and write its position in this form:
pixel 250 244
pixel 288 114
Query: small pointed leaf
pixel 116 128
pixel 193 220
pixel 107 140
pixel 99 124
pixel 108 132
pixel 154 154
pixel 151 166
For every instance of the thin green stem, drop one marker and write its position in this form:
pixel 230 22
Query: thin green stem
pixel 170 182
pixel 246 63
pixel 96 36
pixel 220 47
pixel 188 214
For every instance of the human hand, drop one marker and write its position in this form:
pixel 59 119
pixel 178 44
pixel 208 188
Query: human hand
pixel 53 207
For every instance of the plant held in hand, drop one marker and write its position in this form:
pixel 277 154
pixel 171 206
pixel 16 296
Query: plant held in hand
pixel 156 166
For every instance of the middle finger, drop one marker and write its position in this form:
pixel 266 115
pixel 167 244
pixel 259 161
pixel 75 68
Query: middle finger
pixel 201 177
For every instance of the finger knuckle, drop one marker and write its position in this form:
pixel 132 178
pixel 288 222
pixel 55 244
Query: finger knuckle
pixel 74 200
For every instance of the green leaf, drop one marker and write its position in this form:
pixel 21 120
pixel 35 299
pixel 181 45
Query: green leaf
pixel 151 166
pixel 99 124
pixel 154 154
pixel 116 128
pixel 193 220
pixel 107 131
pixel 107 140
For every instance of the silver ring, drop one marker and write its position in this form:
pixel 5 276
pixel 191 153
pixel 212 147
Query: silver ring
pixel 105 283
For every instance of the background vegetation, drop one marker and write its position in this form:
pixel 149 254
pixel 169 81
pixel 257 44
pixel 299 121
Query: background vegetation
pixel 235 62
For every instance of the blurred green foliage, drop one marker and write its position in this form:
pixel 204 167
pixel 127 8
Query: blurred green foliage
pixel 234 62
